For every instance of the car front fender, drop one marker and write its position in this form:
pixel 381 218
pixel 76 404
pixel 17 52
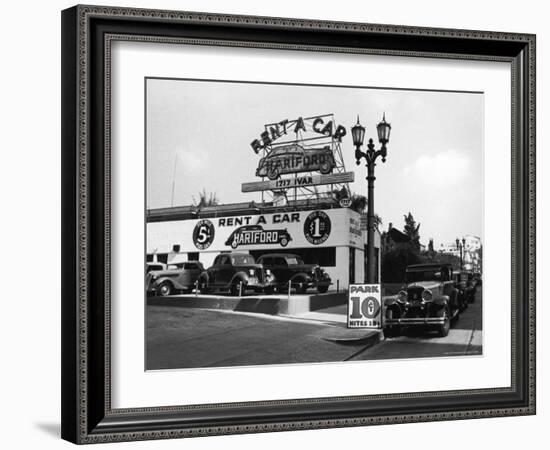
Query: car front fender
pixel 388 301
pixel 391 302
pixel 240 276
pixel 301 275
pixel 161 280
pixel 441 301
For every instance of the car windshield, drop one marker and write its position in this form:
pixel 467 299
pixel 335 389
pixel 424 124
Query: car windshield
pixel 294 260
pixel 423 275
pixel 242 259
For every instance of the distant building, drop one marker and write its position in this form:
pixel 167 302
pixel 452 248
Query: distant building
pixel 393 238
pixel 451 249
pixel 471 252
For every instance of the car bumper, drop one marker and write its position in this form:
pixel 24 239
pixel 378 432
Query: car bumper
pixel 406 321
pixel 257 285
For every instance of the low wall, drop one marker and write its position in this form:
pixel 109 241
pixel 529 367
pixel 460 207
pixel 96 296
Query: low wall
pixel 266 304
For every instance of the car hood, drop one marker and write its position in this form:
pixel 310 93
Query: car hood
pixel 424 284
pixel 164 273
pixel 303 267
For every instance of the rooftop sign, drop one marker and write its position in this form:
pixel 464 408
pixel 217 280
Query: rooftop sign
pixel 316 124
pixel 297 182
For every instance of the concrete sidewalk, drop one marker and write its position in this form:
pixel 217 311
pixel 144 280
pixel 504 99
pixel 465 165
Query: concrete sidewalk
pixel 332 314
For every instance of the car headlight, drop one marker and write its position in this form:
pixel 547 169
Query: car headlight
pixel 402 296
pixel 251 272
pixel 267 272
pixel 427 296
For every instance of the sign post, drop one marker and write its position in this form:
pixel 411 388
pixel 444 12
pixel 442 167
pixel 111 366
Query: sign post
pixel 365 306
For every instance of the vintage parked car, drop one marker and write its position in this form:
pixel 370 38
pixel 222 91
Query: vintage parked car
pixel 429 299
pixel 464 289
pixel 470 284
pixel 477 278
pixel 294 158
pixel 154 266
pixel 291 268
pixel 174 279
pixel 236 273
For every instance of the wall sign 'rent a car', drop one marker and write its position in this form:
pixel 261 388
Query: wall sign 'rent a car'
pixel 332 230
pixel 256 235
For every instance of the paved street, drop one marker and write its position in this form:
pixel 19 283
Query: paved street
pixel 191 337
pixel 179 337
pixel 465 338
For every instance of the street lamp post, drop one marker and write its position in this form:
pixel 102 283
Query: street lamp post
pixel 459 251
pixel 460 247
pixel 358 135
pixel 463 254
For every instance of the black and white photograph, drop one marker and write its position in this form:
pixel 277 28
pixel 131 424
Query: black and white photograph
pixel 302 223
pixel 275 225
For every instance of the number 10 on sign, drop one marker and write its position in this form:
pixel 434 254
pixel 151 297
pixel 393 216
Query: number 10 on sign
pixel 364 306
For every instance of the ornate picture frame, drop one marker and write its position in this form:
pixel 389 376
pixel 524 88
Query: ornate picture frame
pixel 88 33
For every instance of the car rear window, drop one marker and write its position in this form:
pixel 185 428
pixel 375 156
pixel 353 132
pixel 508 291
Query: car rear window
pixel 294 260
pixel 242 259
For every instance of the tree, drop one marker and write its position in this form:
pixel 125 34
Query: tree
pixel 411 229
pixel 446 258
pixel 430 254
pixel 395 261
pixel 359 203
pixel 479 267
pixel 339 194
pixel 205 199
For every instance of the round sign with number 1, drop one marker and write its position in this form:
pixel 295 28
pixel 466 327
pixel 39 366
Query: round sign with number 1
pixel 317 227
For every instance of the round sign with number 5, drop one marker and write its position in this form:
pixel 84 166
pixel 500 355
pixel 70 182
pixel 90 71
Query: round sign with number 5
pixel 203 234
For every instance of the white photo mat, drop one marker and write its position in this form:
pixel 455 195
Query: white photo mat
pixel 133 387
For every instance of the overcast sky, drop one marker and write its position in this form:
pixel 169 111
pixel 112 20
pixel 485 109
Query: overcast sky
pixel 435 154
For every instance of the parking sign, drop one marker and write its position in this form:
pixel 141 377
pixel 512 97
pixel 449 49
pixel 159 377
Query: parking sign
pixel 364 306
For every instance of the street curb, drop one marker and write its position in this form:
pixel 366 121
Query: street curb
pixel 372 338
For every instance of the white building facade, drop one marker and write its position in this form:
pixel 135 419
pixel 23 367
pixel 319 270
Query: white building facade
pixel 471 251
pixel 332 238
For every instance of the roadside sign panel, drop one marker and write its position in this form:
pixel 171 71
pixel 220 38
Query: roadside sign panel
pixel 299 181
pixel 365 306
